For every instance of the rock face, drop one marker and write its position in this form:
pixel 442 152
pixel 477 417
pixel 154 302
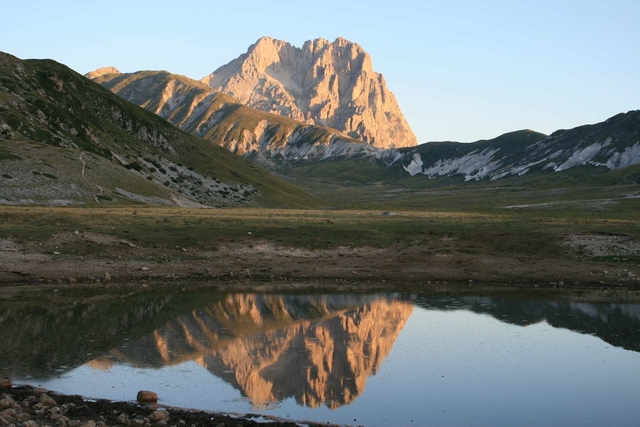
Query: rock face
pixel 322 83
pixel 196 108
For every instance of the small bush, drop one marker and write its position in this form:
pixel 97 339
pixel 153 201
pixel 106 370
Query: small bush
pixel 134 165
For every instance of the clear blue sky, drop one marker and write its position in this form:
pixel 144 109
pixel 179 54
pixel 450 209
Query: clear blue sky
pixel 461 70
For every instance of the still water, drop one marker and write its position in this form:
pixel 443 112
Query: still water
pixel 375 360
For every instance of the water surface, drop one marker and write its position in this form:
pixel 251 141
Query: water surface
pixel 383 359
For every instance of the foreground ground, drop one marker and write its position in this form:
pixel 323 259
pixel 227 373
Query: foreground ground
pixel 70 245
pixel 33 407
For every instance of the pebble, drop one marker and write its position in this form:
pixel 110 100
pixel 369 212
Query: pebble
pixel 123 419
pixel 160 415
pixel 47 400
pixel 22 417
pixel 8 413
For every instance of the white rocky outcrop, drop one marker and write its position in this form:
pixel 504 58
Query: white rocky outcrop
pixel 322 83
pixel 621 159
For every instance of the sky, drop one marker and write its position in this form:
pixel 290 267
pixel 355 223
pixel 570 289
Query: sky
pixel 461 70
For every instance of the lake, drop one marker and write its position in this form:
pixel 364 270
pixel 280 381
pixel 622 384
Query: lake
pixel 438 359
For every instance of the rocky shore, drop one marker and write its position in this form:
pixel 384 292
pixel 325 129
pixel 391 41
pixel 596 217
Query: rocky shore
pixel 26 406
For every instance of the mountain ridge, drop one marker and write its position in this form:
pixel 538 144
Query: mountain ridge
pixel 199 110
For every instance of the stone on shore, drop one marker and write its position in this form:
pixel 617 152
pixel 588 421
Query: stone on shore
pixel 147 396
pixel 123 419
pixel 160 415
pixel 47 400
pixel 5 382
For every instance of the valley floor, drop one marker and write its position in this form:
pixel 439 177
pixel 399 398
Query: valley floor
pixel 284 249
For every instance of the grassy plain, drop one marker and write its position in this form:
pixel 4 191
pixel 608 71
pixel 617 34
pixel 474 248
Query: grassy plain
pixel 535 231
pixel 528 231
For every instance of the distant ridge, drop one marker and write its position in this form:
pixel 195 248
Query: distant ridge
pixel 101 72
pixel 612 144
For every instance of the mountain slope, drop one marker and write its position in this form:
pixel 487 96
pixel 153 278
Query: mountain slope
pixel 604 152
pixel 612 144
pixel 322 83
pixel 197 109
pixel 66 140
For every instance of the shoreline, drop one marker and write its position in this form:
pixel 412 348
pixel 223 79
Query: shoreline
pixel 34 407
pixel 280 266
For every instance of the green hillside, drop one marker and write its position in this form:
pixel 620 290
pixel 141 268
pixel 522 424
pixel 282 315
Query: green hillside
pixel 67 140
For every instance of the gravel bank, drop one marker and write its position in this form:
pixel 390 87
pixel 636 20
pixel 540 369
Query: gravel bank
pixel 26 406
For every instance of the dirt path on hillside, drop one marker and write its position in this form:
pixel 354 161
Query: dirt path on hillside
pixel 120 261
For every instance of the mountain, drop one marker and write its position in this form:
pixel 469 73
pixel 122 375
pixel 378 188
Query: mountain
pixel 583 151
pixel 66 140
pixel 196 108
pixel 322 83
pixel 609 145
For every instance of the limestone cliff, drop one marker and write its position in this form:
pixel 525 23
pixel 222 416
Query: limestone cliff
pixel 196 108
pixel 322 83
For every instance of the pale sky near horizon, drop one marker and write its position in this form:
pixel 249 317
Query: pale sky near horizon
pixel 461 70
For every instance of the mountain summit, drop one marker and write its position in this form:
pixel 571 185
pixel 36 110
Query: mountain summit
pixel 322 83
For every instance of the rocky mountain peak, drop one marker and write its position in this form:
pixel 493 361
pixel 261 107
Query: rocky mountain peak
pixel 323 83
pixel 103 71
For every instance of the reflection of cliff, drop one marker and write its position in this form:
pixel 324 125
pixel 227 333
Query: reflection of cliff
pixel 316 349
pixel 616 324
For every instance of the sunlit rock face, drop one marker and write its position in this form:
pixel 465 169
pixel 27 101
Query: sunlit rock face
pixel 323 83
pixel 318 350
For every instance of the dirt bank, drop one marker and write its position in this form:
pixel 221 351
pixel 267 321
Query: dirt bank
pixel 100 259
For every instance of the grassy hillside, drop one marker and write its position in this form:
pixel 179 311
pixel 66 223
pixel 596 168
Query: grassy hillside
pixel 66 139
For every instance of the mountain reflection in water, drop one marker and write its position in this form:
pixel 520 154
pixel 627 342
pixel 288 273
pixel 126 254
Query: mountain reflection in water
pixel 317 349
